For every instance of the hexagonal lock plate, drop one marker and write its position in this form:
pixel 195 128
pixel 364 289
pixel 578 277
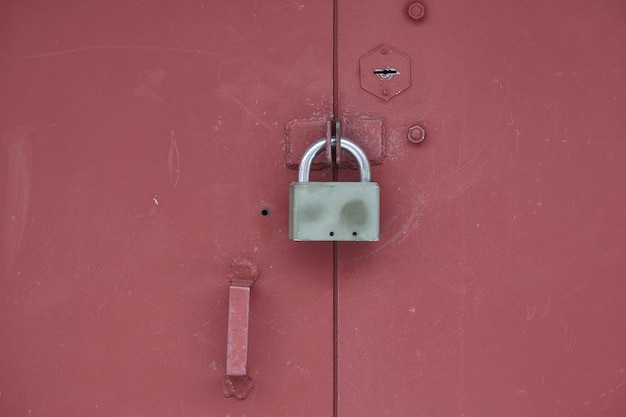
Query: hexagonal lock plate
pixel 385 72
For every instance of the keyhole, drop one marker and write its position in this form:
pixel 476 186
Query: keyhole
pixel 386 73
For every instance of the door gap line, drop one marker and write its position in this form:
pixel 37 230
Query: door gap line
pixel 335 244
pixel 335 317
pixel 335 61
pixel 335 329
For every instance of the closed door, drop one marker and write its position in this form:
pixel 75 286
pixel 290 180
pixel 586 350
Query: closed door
pixel 496 288
pixel 145 147
pixel 141 154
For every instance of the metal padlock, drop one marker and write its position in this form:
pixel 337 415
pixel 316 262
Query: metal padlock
pixel 334 210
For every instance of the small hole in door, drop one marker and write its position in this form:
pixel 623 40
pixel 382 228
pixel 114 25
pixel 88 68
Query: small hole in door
pixel 265 212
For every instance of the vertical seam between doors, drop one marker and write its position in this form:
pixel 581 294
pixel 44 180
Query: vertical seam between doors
pixel 335 329
pixel 335 244
pixel 335 62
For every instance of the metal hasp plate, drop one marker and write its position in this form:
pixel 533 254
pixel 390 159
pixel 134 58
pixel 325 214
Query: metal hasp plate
pixel 385 72
pixel 334 211
pixel 301 133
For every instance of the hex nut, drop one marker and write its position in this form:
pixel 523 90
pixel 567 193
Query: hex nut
pixel 417 134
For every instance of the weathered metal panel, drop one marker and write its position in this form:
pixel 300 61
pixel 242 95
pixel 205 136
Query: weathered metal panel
pixel 497 286
pixel 141 154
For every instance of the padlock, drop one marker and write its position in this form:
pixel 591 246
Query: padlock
pixel 346 211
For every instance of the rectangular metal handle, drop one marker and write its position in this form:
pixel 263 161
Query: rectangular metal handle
pixel 242 275
pixel 238 318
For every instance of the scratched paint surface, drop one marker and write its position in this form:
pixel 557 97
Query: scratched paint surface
pixel 497 287
pixel 140 142
pixel 16 147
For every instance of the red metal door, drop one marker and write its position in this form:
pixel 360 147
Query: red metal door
pixel 497 286
pixel 141 154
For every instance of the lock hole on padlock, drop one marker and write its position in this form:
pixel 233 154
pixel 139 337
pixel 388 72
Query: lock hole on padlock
pixel 354 233
pixel 332 233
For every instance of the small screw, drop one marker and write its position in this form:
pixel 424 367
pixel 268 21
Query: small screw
pixel 416 11
pixel 385 92
pixel 416 134
pixel 384 51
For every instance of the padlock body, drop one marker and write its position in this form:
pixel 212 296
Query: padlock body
pixel 334 211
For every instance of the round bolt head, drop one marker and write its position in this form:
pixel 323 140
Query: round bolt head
pixel 416 134
pixel 416 11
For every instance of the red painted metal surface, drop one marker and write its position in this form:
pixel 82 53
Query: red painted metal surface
pixel 142 151
pixel 497 287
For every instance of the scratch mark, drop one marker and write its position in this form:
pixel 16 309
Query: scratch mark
pixel 248 35
pixel 577 288
pixel 411 223
pixel 17 160
pixel 127 286
pixel 573 338
pixel 192 309
pixel 293 3
pixel 116 47
pixel 174 161
pixel 32 223
pixel 549 105
pixel 247 110
pixel 217 142
pixel 155 306
pixel 304 372
pixel 547 309
pixel 612 390
pixel 153 80
pixel 530 311
pixel 512 122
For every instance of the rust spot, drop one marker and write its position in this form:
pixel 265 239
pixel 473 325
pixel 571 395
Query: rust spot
pixel 243 272
pixel 237 386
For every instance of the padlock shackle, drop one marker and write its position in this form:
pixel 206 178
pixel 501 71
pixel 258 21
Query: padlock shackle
pixel 347 145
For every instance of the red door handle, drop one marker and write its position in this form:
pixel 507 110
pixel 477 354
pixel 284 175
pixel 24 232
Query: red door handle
pixel 242 275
